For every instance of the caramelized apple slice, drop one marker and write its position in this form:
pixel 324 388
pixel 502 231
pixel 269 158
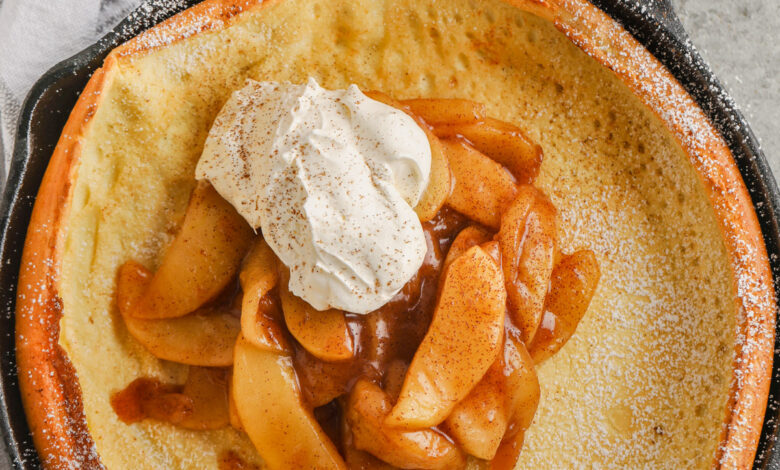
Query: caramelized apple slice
pixel 323 381
pixel 235 420
pixel 508 453
pixel 324 334
pixel 439 184
pixel 572 286
pixel 268 400
pixel 528 243
pixel 522 385
pixel 436 111
pixel 506 396
pixel 462 342
pixel 501 141
pixel 483 189
pixel 468 237
pixel 479 421
pixel 493 248
pixel 358 459
pixel 200 262
pixel 260 318
pixel 366 413
pixel 208 390
pixel 203 338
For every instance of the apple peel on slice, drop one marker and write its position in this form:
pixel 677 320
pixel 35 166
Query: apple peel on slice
pixel 462 342
pixel 508 453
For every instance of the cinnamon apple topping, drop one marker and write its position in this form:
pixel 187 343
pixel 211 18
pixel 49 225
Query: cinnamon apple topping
pixel 442 374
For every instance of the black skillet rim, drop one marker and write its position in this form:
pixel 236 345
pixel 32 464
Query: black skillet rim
pixel 48 105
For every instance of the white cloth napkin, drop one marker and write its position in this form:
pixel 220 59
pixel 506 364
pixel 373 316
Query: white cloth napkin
pixel 34 36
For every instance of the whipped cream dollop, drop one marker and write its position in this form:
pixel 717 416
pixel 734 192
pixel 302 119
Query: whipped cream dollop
pixel 331 177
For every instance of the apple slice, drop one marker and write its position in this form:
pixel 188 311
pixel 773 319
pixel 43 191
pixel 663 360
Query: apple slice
pixel 324 334
pixel 203 338
pixel 505 143
pixel 268 400
pixel 323 381
pixel 483 189
pixel 201 260
pixel 235 420
pixel 366 414
pixel 439 183
pixel 472 235
pixel 528 244
pixel 436 111
pixel 208 390
pixel 508 453
pixel 503 402
pixel 358 459
pixel 260 316
pixel 572 286
pixel 462 342
pixel 361 460
pixel 493 248
pixel 522 385
pixel 479 421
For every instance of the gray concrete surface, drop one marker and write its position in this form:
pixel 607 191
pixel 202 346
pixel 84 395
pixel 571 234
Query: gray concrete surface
pixel 739 39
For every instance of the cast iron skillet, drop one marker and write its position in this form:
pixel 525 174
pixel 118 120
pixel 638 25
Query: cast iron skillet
pixel 50 101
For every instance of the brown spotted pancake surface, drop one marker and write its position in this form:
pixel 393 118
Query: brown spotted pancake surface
pixel 644 382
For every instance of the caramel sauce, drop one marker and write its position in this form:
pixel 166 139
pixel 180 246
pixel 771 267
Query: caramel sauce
pixel 388 334
pixel 151 398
